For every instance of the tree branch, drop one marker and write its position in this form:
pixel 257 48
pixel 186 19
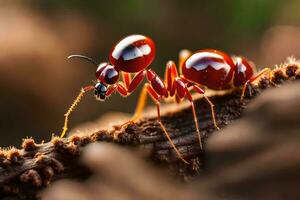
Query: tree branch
pixel 24 172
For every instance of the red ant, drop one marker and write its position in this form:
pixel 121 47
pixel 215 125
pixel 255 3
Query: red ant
pixel 209 68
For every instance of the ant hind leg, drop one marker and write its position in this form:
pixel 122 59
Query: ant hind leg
pixel 212 110
pixel 190 98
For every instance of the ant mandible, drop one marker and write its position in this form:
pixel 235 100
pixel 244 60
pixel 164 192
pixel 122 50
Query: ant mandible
pixel 133 54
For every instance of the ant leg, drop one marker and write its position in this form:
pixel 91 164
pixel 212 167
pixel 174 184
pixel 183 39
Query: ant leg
pixel 143 96
pixel 126 78
pixel 253 78
pixel 196 124
pixel 127 90
pixel 156 93
pixel 142 99
pixel 147 89
pixel 132 83
pixel 201 91
pixel 170 74
pixel 137 79
pixel 156 98
pixel 110 90
pixel 72 107
pixel 121 89
pixel 212 110
pixel 141 104
pixel 190 98
pixel 171 71
pixel 139 108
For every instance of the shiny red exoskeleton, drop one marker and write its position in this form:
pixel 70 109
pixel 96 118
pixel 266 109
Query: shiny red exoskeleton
pixel 209 68
pixel 216 70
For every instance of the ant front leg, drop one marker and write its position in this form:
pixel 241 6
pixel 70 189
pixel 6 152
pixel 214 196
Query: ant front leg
pixel 126 78
pixel 130 84
pixel 73 106
pixel 130 87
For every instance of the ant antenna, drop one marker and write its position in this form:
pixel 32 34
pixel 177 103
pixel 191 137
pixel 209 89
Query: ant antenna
pixel 91 60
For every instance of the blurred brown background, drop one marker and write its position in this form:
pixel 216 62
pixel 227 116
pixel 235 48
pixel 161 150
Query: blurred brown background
pixel 38 84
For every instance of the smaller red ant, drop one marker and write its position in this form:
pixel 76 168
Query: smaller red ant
pixel 208 68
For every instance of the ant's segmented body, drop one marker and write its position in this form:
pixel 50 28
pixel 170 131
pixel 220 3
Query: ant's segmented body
pixel 209 68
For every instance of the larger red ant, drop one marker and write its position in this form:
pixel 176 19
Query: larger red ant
pixel 209 68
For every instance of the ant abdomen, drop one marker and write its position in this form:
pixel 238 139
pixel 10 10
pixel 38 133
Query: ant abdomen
pixel 211 68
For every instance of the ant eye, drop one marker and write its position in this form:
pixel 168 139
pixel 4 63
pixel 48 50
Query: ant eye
pixel 110 75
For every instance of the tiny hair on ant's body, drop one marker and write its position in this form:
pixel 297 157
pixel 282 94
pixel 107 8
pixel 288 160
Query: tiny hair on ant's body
pixel 129 65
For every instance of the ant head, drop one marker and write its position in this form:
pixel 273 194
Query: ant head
pixel 100 91
pixel 107 73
